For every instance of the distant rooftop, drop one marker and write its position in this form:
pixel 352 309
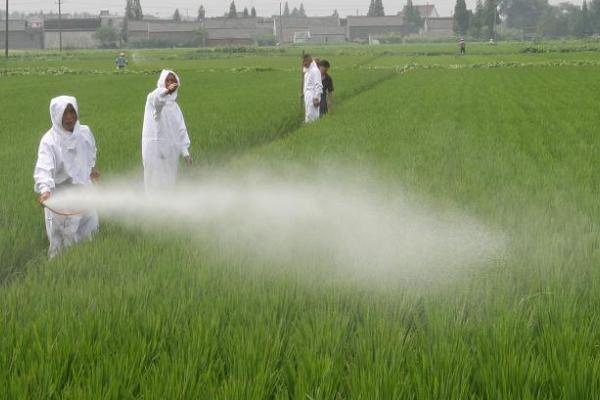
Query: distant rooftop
pixel 394 20
pixel 162 26
pixel 306 22
pixel 72 24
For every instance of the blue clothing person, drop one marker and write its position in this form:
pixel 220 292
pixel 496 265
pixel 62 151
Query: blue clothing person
pixel 121 61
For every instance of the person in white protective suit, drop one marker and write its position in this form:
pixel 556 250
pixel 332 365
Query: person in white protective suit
pixel 164 136
pixel 66 159
pixel 312 88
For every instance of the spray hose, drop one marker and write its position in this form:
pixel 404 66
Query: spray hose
pixel 64 214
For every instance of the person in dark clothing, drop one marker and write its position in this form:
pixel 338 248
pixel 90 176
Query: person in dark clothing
pixel 462 45
pixel 121 62
pixel 327 96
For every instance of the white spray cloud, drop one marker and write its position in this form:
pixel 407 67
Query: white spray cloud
pixel 350 226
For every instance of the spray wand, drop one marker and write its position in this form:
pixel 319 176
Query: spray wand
pixel 62 213
pixel 94 177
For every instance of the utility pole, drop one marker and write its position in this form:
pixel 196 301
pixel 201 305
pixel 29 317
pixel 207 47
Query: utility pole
pixel 59 26
pixel 280 26
pixel 6 34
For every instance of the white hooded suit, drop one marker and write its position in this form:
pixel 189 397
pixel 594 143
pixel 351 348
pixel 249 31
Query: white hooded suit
pixel 312 90
pixel 65 159
pixel 164 136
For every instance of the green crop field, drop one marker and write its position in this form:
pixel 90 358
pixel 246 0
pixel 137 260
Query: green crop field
pixel 507 135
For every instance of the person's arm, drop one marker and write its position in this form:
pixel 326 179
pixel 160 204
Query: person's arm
pixel 184 140
pixel 94 174
pixel 158 98
pixel 317 87
pixel 43 174
pixel 330 95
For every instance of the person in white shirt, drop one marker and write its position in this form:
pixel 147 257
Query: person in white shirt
pixel 66 159
pixel 164 135
pixel 312 88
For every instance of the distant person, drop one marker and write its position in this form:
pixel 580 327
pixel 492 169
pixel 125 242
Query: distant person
pixel 66 159
pixel 164 137
pixel 491 42
pixel 312 88
pixel 121 62
pixel 327 94
pixel 462 45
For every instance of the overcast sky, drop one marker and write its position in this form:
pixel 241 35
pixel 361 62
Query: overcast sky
pixel 162 8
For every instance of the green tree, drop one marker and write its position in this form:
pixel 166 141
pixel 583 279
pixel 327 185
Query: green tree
pixel 129 9
pixel 371 11
pixel 107 35
pixel 176 15
pixel 476 20
pixel 253 12
pixel 378 10
pixel 201 13
pixel 138 15
pixel 133 11
pixel 246 13
pixel 553 23
pixel 124 29
pixel 586 25
pixel 335 13
pixel 461 18
pixel 232 10
pixel 594 9
pixel 491 17
pixel 570 20
pixel 286 10
pixel 302 12
pixel 524 14
pixel 200 37
pixel 412 18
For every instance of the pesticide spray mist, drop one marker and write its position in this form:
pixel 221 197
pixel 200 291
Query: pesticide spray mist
pixel 352 226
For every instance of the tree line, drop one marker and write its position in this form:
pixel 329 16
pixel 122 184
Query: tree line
pixel 520 17
pixel 296 12
pixel 233 13
pixel 133 11
pixel 528 18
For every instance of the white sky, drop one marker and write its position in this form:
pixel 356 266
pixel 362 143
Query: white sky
pixel 215 8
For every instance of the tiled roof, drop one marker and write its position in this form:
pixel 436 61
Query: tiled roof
pixel 229 34
pixel 440 23
pixel 307 22
pixel 162 26
pixel 72 24
pixel 232 23
pixel 426 10
pixel 395 20
pixel 14 25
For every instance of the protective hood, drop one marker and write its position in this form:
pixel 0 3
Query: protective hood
pixel 58 106
pixel 161 83
pixel 312 64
